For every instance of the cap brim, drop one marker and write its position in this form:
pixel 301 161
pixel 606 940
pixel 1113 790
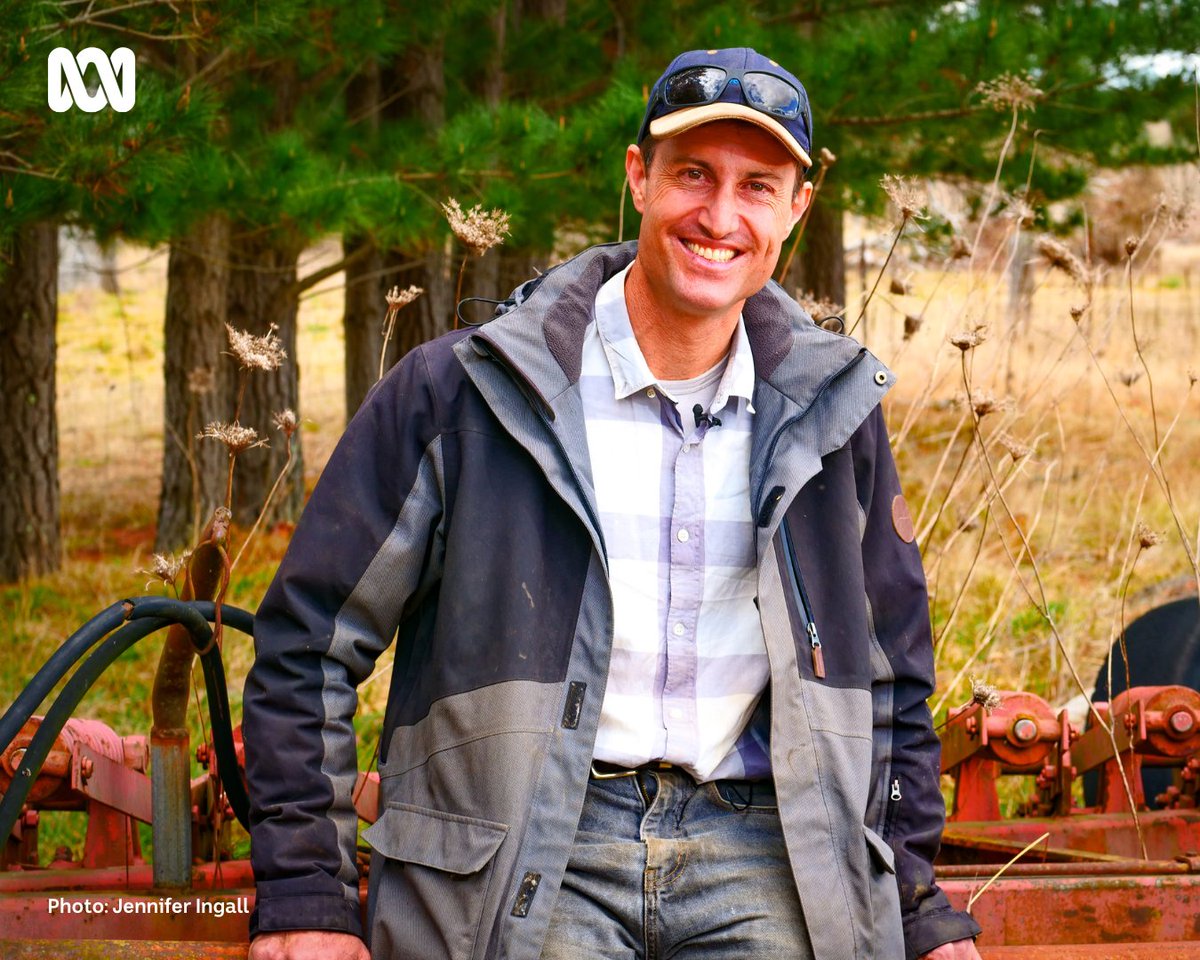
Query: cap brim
pixel 681 120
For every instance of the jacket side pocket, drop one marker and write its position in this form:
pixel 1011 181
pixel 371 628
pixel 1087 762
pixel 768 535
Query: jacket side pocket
pixel 431 871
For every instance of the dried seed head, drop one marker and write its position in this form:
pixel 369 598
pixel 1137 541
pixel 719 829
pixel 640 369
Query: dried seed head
pixel 969 339
pixel 236 437
pixel 1015 448
pixel 827 157
pixel 1060 258
pixel 984 403
pixel 1077 312
pixel 911 326
pixel 397 298
pixel 477 228
pixel 1019 210
pixel 959 248
pixel 984 694
pixel 1129 377
pixel 1146 537
pixel 900 286
pixel 285 420
pixel 256 353
pixel 166 567
pixel 819 308
pixel 1192 378
pixel 907 195
pixel 1131 245
pixel 1009 91
pixel 201 380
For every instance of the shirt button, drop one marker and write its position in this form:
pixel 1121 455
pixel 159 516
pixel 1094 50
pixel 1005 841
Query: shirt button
pixel 683 536
pixel 650 393
pixel 678 629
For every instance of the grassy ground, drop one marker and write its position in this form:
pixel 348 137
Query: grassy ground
pixel 1027 586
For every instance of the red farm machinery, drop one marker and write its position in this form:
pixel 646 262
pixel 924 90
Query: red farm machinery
pixel 1117 876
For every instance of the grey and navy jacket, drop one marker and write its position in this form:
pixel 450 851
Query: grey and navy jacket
pixel 457 516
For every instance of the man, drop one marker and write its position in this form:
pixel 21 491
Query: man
pixel 605 528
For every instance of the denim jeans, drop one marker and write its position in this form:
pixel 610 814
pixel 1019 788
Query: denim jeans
pixel 662 867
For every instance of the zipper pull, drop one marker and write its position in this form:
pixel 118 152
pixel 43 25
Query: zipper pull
pixel 818 658
pixel 896 789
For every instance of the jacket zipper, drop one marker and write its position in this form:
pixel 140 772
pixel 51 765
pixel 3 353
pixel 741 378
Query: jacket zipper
pixel 814 640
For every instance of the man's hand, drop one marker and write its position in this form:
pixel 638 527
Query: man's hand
pixel 955 950
pixel 310 945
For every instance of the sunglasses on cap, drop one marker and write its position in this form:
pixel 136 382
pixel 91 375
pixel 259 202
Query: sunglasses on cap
pixel 698 86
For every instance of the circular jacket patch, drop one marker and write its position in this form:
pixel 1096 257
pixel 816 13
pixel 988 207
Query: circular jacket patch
pixel 902 519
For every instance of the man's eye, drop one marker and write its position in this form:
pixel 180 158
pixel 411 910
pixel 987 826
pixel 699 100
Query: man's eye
pixel 757 186
pixel 693 173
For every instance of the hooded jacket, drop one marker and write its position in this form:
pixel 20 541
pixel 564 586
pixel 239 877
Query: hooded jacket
pixel 457 516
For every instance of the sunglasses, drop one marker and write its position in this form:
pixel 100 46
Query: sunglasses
pixel 765 92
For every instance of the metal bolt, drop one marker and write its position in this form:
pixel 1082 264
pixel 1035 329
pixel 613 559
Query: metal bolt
pixel 1025 730
pixel 972 725
pixel 202 755
pixel 1182 721
pixel 86 768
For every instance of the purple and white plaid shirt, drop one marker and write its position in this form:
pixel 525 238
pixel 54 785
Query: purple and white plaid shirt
pixel 689 664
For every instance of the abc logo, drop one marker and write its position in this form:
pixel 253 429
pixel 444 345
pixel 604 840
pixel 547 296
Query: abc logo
pixel 65 67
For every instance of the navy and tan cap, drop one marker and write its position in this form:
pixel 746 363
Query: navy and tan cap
pixel 701 86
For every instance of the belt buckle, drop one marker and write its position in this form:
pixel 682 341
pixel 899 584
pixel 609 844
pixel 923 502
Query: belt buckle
pixel 611 776
pixel 653 765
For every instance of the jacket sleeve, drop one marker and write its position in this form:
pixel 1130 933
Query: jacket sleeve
pixel 899 611
pixel 357 556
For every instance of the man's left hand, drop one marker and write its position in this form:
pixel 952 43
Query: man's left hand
pixel 955 950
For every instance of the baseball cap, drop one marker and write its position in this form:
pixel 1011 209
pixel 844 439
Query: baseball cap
pixel 738 83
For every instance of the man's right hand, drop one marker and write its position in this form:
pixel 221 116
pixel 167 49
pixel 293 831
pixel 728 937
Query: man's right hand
pixel 308 945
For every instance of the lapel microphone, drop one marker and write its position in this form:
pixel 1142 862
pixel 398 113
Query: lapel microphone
pixel 702 417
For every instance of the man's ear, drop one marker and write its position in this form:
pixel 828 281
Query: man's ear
pixel 800 202
pixel 635 173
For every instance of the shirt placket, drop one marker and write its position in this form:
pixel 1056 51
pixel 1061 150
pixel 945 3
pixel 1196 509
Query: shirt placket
pixel 686 580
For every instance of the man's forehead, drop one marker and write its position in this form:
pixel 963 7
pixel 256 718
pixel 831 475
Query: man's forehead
pixel 728 142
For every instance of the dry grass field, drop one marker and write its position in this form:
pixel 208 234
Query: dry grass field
pixel 1040 517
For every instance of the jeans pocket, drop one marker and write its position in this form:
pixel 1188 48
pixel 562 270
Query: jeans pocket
pixel 430 877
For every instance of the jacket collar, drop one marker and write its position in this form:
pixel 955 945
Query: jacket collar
pixel 539 331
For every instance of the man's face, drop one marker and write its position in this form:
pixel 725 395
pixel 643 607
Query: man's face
pixel 716 205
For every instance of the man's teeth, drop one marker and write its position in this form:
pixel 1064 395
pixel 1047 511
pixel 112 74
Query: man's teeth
pixel 719 256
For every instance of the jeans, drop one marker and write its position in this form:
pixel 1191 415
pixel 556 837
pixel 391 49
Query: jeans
pixel 662 867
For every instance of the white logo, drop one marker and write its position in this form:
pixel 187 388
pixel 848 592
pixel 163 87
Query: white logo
pixel 64 65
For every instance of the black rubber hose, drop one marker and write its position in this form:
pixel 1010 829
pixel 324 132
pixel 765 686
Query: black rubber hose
pixel 60 712
pixel 152 614
pixel 54 669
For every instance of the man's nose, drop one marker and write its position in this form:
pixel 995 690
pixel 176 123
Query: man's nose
pixel 719 216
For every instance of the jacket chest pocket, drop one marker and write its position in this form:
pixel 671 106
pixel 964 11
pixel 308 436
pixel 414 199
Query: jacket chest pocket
pixel 429 882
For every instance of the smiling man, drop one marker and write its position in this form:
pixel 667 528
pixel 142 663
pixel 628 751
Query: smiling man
pixel 663 642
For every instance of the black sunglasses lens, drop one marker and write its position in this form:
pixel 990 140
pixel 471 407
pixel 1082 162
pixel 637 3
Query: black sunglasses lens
pixel 772 95
pixel 694 86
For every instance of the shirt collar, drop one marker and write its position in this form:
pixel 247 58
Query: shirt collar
pixel 630 371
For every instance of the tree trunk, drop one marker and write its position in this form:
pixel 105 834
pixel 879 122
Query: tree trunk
pixel 29 508
pixel 819 268
pixel 431 314
pixel 262 295
pixel 362 319
pixel 421 74
pixel 363 304
pixel 196 379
